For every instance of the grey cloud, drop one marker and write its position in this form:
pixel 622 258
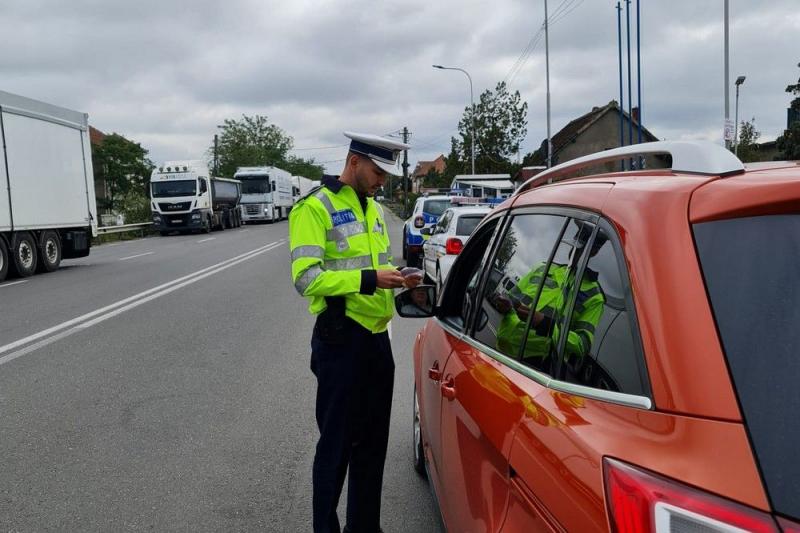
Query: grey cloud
pixel 166 73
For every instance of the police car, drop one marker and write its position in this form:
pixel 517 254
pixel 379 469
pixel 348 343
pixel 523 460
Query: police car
pixel 427 211
pixel 448 237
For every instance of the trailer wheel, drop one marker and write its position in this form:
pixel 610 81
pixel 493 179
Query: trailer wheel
pixel 49 252
pixel 3 259
pixel 23 254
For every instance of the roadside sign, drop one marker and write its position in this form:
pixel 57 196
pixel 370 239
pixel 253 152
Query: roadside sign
pixel 729 129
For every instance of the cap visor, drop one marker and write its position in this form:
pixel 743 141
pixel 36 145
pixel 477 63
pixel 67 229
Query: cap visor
pixel 394 170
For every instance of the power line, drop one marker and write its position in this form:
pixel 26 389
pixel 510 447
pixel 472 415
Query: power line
pixel 565 13
pixel 331 161
pixel 321 147
pixel 564 8
pixel 434 140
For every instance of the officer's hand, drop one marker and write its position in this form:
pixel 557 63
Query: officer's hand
pixel 390 279
pixel 412 281
pixel 502 304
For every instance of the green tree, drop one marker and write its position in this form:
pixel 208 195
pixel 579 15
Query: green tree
pixel 748 141
pixel 436 180
pixel 251 141
pixel 500 127
pixel 307 168
pixel 789 142
pixel 454 165
pixel 124 167
pixel 254 141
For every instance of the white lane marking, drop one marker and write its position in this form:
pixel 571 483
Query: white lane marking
pixel 244 231
pixel 81 326
pixel 115 244
pixel 13 283
pixel 76 320
pixel 206 240
pixel 135 256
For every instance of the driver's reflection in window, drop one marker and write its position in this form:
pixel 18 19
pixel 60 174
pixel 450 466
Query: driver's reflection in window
pixel 542 339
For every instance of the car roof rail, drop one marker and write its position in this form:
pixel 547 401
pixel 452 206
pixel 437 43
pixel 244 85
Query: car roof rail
pixel 692 157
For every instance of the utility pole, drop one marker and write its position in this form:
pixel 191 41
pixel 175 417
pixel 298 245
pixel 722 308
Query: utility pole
pixel 630 92
pixel 405 173
pixel 547 74
pixel 727 83
pixel 621 90
pixel 216 158
pixel 639 72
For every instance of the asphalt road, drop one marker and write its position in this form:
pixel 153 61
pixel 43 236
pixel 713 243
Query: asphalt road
pixel 163 384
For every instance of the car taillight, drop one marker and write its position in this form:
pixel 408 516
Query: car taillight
pixel 419 222
pixel 640 502
pixel 453 246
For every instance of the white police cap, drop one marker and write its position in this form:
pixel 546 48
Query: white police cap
pixel 383 151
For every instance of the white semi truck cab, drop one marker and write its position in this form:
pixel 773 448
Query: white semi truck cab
pixel 185 198
pixel 266 193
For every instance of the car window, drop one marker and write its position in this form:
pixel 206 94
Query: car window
pixel 461 286
pixel 541 338
pixel 513 283
pixel 467 224
pixel 435 207
pixel 750 269
pixel 441 226
pixel 600 350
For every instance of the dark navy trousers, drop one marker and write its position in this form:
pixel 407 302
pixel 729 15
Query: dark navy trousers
pixel 355 379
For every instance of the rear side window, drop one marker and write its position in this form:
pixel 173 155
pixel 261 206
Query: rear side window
pixel 466 225
pixel 601 350
pixel 435 207
pixel 751 268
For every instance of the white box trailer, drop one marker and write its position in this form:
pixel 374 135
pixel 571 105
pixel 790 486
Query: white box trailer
pixel 184 198
pixel 47 202
pixel 266 193
pixel 300 187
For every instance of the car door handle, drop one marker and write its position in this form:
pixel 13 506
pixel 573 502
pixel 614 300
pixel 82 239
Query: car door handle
pixel 434 373
pixel 448 389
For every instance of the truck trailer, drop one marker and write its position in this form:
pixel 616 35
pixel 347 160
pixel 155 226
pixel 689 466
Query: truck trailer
pixel 266 193
pixel 184 198
pixel 300 187
pixel 47 204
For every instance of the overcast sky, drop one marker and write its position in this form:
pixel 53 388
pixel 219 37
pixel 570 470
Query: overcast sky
pixel 165 73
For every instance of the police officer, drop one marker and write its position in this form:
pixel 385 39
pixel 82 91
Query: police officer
pixel 341 261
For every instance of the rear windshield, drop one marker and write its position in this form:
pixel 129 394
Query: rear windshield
pixel 752 272
pixel 466 225
pixel 435 207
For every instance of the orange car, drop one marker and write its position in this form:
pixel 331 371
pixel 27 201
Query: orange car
pixel 619 351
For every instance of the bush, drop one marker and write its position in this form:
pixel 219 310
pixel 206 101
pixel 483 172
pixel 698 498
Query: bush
pixel 135 206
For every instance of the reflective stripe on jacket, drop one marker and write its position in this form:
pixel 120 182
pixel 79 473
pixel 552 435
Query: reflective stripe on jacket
pixel 332 240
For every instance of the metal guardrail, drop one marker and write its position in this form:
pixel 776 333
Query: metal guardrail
pixel 107 230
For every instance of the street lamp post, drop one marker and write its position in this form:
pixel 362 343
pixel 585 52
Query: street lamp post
pixel 472 106
pixel 739 81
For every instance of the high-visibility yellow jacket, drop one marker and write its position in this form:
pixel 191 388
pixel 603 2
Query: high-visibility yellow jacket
pixel 540 340
pixel 337 248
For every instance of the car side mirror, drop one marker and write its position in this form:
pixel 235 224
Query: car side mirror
pixel 418 302
pixel 426 231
